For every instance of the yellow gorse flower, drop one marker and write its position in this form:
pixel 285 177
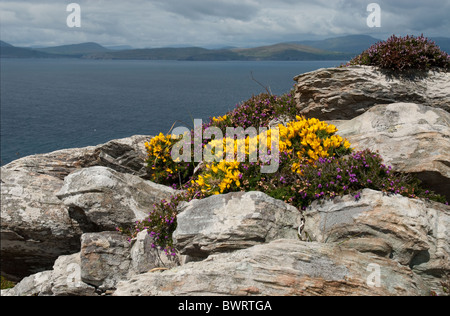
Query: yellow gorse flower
pixel 316 138
pixel 303 140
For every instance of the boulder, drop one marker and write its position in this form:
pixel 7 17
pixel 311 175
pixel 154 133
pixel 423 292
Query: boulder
pixel 108 199
pixel 126 155
pixel 145 256
pixel 105 259
pixel 344 93
pixel 63 280
pixel 224 223
pixel 412 232
pixel 279 268
pixel 37 227
pixel 411 138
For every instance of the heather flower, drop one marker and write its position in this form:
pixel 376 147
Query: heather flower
pixel 403 53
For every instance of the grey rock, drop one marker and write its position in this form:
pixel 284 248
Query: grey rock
pixel 225 223
pixel 281 267
pixel 108 199
pixel 36 227
pixel 105 259
pixel 344 93
pixel 411 138
pixel 412 232
pixel 125 155
pixel 146 256
pixel 63 280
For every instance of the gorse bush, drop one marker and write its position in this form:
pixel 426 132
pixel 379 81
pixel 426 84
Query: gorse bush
pixel 315 163
pixel 404 53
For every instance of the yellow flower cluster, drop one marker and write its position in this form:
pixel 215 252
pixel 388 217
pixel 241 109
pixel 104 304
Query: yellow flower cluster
pixel 219 177
pixel 303 140
pixel 159 147
pixel 219 119
pixel 159 157
pixel 316 138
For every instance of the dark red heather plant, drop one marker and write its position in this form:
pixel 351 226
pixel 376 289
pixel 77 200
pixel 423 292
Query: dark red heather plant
pixel 404 53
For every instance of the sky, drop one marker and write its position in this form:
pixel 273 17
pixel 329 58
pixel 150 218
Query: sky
pixel 214 23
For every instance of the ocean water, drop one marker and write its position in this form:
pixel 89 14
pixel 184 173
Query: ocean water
pixel 52 104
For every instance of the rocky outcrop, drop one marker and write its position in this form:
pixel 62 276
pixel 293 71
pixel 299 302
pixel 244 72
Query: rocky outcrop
pixel 413 233
pixel 125 155
pixel 378 245
pixel 37 227
pixel 65 204
pixel 108 199
pixel 411 138
pixel 224 223
pixel 282 267
pixel 345 93
pixel 105 259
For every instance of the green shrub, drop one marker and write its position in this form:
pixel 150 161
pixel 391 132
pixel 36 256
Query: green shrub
pixel 5 284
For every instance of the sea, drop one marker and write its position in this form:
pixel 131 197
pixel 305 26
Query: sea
pixel 52 104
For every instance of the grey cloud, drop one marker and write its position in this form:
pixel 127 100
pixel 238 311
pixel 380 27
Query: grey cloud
pixel 153 23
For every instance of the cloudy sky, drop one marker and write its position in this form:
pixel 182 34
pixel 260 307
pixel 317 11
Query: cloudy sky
pixel 209 23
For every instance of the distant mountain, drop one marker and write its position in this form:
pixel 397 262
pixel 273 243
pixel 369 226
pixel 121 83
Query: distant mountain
pixel 120 47
pixel 9 51
pixel 339 48
pixel 282 51
pixel 287 51
pixel 352 44
pixel 4 44
pixel 151 54
pixel 75 49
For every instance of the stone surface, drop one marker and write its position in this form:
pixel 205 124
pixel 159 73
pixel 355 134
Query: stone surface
pixel 145 257
pixel 414 233
pixel 411 138
pixel 63 280
pixel 344 93
pixel 225 223
pixel 282 267
pixel 107 198
pixel 125 155
pixel 36 227
pixel 105 258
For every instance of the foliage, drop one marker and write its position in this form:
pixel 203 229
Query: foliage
pixel 330 177
pixel 404 53
pixel 315 163
pixel 162 168
pixel 5 284
pixel 160 223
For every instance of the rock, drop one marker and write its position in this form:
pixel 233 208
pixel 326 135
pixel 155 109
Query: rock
pixel 108 199
pixel 224 223
pixel 125 155
pixel 282 267
pixel 412 232
pixel 344 93
pixel 36 227
pixel 63 280
pixel 411 138
pixel 145 257
pixel 105 259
